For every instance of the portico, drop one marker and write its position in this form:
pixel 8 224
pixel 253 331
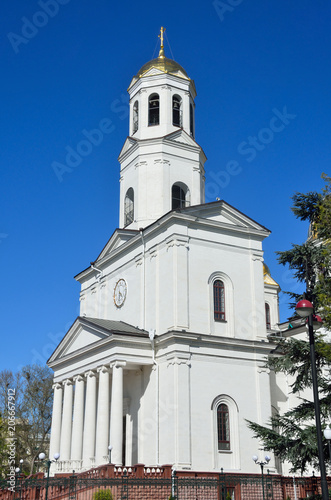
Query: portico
pixel 89 407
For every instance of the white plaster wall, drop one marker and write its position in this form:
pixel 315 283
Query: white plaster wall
pixel 169 284
pixel 151 171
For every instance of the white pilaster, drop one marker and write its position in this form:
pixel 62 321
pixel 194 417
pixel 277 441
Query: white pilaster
pixel 54 446
pixel 102 442
pixel 65 443
pixel 78 421
pixel 90 420
pixel 183 414
pixel 116 413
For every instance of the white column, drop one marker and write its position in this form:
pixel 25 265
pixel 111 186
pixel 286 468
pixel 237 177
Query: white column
pixel 101 441
pixel 90 420
pixel 54 446
pixel 116 413
pixel 65 442
pixel 78 421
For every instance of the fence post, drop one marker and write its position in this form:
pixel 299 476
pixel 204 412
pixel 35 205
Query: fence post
pixel 174 484
pixel 124 485
pixel 72 486
pixel 268 483
pixel 221 485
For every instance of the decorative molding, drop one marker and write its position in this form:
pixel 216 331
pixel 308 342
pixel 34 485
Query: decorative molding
pixel 139 260
pixel 140 164
pixel 166 87
pixel 79 378
pixel 182 359
pixel 67 382
pixel 103 369
pixel 117 364
pixel 153 253
pixel 161 161
pixel 57 385
pixel 90 374
pixel 178 241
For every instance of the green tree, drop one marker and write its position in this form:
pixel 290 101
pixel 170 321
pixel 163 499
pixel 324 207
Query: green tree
pixel 292 436
pixel 32 386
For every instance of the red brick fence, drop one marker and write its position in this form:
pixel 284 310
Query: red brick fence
pixel 159 483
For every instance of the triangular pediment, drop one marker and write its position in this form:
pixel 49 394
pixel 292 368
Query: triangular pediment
pixel 79 336
pixel 223 213
pixel 88 332
pixel 182 137
pixel 118 238
pixel 128 144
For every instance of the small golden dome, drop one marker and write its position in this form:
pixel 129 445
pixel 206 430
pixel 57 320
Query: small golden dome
pixel 266 269
pixel 163 64
pixel 268 280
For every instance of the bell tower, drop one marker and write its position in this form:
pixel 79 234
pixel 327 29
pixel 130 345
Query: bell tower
pixel 162 167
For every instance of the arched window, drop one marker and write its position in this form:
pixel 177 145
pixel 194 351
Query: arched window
pixel 135 116
pixel 267 316
pixel 191 120
pixel 176 111
pixel 180 196
pixel 223 427
pixel 129 207
pixel 153 110
pixel 219 301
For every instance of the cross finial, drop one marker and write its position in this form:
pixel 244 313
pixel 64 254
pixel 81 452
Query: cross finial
pixel 161 53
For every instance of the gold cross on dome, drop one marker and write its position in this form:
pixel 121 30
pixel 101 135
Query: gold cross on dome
pixel 161 53
pixel 161 36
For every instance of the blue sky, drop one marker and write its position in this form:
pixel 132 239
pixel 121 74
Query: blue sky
pixel 262 73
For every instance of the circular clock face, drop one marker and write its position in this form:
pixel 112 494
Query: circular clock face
pixel 120 292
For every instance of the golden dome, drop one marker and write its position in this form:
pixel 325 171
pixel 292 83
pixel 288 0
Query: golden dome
pixel 268 280
pixel 162 64
pixel 266 269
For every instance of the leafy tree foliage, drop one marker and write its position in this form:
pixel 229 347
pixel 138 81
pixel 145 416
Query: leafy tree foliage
pixel 292 436
pixel 33 412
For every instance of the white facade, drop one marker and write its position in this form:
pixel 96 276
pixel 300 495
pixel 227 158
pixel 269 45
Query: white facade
pixel 172 335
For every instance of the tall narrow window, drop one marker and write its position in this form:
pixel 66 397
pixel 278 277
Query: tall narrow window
pixel 176 111
pixel 180 196
pixel 223 427
pixel 129 207
pixel 154 110
pixel 191 120
pixel 219 301
pixel 267 316
pixel 135 116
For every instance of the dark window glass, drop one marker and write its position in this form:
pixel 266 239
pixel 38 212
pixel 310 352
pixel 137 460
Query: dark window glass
pixel 129 207
pixel 154 110
pixel 176 111
pixel 267 316
pixel 135 116
pixel 223 427
pixel 219 301
pixel 178 197
pixel 191 121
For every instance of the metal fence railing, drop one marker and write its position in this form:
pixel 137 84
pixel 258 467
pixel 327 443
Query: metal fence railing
pixel 179 487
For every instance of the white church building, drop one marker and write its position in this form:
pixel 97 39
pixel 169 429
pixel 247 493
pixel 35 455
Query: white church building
pixel 166 360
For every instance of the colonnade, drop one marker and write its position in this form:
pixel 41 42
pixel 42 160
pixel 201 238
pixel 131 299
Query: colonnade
pixel 86 420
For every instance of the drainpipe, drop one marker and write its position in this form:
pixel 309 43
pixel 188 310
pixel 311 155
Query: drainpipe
pixel 143 311
pixel 152 339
